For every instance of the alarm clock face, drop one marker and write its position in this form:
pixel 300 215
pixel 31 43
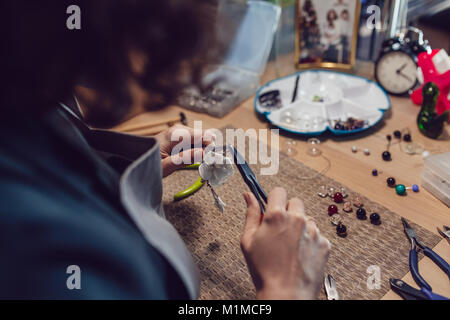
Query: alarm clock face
pixel 396 72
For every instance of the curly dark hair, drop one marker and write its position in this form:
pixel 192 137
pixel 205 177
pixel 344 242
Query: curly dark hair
pixel 42 60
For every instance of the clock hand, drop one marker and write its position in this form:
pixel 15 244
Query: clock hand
pixel 404 76
pixel 401 68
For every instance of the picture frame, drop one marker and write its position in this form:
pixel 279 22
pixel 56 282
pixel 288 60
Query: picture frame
pixel 326 33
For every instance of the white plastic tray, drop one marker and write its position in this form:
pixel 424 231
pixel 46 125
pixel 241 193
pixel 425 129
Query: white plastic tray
pixel 341 96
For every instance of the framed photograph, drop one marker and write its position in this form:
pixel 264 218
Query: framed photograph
pixel 326 33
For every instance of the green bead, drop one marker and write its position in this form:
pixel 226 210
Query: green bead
pixel 400 189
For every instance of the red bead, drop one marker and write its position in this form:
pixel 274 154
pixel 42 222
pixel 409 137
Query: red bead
pixel 332 209
pixel 338 197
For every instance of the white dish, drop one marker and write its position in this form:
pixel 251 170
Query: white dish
pixel 324 97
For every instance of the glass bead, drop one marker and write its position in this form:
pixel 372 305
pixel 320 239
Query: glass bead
pixel 375 218
pixel 361 214
pixel 336 219
pixel 332 209
pixel 357 202
pixel 338 197
pixel 397 134
pixel 400 189
pixel 407 138
pixel 348 206
pixel 375 172
pixel 386 156
pixel 415 188
pixel 341 230
pixel 390 182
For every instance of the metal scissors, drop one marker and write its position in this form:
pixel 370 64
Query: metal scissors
pixel 445 233
pixel 249 178
pixel 330 288
pixel 413 262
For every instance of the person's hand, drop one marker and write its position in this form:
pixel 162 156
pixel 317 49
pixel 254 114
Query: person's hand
pixel 285 253
pixel 182 137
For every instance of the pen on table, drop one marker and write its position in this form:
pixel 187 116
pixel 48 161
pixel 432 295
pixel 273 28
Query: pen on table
pixel 294 95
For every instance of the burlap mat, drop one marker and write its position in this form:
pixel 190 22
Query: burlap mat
pixel 213 238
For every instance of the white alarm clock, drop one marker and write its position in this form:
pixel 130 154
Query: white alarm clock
pixel 396 67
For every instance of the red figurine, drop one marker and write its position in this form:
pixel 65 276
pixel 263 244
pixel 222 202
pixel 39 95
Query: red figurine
pixel 435 68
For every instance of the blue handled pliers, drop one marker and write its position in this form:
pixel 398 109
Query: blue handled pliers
pixel 249 178
pixel 413 262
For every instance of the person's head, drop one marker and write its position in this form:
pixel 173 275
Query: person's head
pixel 345 15
pixel 331 16
pixel 42 60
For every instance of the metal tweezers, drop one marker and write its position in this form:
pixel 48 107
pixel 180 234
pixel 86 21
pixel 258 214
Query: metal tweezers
pixel 249 178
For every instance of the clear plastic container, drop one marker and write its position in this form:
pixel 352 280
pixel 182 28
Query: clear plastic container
pixel 436 176
pixel 237 77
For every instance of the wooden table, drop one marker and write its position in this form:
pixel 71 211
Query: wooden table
pixel 354 169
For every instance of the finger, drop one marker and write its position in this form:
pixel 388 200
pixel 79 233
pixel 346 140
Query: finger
pixel 296 207
pixel 180 160
pixel 253 217
pixel 276 202
pixel 311 229
pixel 186 135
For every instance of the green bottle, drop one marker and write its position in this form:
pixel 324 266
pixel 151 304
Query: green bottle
pixel 430 124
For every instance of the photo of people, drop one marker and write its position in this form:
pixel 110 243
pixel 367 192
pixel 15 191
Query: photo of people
pixel 325 30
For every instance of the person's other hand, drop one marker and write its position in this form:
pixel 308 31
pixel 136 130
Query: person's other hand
pixel 175 135
pixel 285 253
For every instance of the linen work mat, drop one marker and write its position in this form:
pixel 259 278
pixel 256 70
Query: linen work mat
pixel 214 238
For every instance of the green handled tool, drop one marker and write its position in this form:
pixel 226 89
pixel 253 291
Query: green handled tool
pixel 193 188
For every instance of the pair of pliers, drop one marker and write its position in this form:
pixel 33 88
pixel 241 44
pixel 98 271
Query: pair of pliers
pixel 413 262
pixel 250 178
pixel 331 288
pixel 193 188
pixel 445 233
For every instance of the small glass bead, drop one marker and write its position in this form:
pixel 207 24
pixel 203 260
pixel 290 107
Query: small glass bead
pixel 407 138
pixel 400 189
pixel 375 172
pixel 397 134
pixel 361 214
pixel 390 182
pixel 357 202
pixel 347 206
pixel 332 209
pixel 336 219
pixel 338 197
pixel 375 219
pixel 341 230
pixel 415 188
pixel 386 156
pixel 388 137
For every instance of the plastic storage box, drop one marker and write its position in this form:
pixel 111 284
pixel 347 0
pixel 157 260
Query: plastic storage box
pixel 436 176
pixel 237 77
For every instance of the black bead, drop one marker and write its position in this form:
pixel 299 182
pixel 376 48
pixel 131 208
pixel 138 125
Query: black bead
pixel 341 230
pixel 391 182
pixel 361 214
pixel 386 156
pixel 375 219
pixel 407 138
pixel 388 137
pixel 338 126
pixel 397 134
